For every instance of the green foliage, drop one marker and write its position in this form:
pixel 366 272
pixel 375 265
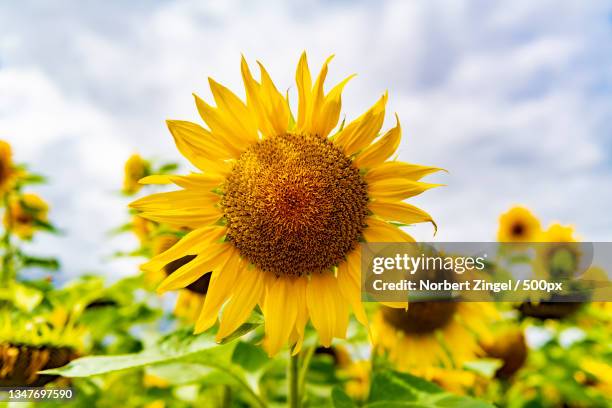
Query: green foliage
pixel 21 296
pixel 50 264
pixel 249 356
pixel 167 168
pixel 198 358
pixel 31 179
pixel 340 399
pixel 394 389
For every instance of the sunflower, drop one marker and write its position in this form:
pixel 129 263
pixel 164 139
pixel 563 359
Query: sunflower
pixel 518 225
pixel 135 168
pixel 29 344
pixel 432 334
pixel 26 214
pixel 602 372
pixel 510 347
pixel 355 374
pixel 558 258
pixel 559 255
pixel 142 228
pixel 280 205
pixel 7 168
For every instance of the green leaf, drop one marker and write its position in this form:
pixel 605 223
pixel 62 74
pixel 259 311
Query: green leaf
pixel 167 168
pixel 31 178
pixel 340 399
pixel 392 386
pixel 180 346
pixel 254 321
pixel 249 356
pixel 29 261
pixel 45 226
pixel 486 367
pixel 23 297
pixel 185 373
pixel 127 227
pixel 456 401
pixel 394 389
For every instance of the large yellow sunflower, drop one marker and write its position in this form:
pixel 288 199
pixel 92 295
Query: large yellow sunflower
pixel 280 204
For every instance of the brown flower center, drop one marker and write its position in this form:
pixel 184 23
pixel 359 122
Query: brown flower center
pixel 421 317
pixel 518 229
pixel 294 204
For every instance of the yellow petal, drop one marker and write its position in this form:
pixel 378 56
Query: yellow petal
pixel 274 103
pixel 199 139
pixel 254 100
pixel 214 256
pixel 199 157
pixel 396 169
pixel 362 131
pixel 299 291
pixel 396 305
pixel 247 292
pixel 235 109
pixel 183 208
pixel 397 189
pixel 317 92
pixel 191 244
pixel 222 126
pixel 381 231
pixel 156 179
pixel 174 200
pixel 222 282
pixel 304 87
pixel 401 212
pixel 207 182
pixel 328 311
pixel 327 116
pixel 195 218
pixel 280 311
pixel 349 282
pixel 381 150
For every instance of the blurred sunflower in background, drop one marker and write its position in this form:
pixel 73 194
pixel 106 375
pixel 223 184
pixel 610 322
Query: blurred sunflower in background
pixel 29 344
pixel 143 229
pixel 135 168
pixel 518 225
pixel 433 335
pixel 557 258
pixel 281 204
pixel 25 214
pixel 510 347
pixel 559 255
pixel 8 171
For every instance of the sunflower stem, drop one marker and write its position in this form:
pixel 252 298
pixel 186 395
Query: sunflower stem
pixel 293 381
pixel 304 369
pixel 6 273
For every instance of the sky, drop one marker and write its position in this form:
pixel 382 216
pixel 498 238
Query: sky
pixel 513 98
